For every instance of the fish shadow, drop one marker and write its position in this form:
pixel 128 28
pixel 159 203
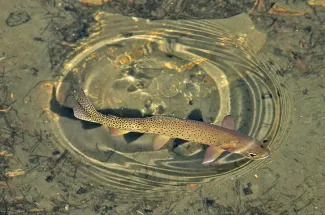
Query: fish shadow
pixel 67 112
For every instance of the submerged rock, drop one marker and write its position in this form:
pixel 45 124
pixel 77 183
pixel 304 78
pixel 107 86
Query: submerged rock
pixel 17 18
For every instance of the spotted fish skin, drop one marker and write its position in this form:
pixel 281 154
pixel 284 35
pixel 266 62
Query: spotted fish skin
pixel 189 130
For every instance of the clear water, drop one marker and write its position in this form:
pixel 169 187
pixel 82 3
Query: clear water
pixel 202 69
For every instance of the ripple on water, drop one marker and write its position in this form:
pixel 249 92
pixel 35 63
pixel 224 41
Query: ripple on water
pixel 202 69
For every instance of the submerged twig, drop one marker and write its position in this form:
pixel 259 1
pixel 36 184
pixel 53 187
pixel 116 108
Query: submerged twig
pixel 5 110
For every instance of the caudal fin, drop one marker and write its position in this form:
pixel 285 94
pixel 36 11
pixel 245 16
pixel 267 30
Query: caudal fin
pixel 83 109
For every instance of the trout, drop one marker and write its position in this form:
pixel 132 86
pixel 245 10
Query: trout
pixel 219 138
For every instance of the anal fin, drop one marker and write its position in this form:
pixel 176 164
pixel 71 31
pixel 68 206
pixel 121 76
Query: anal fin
pixel 159 141
pixel 117 132
pixel 211 154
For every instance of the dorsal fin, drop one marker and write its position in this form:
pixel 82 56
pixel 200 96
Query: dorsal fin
pixel 228 122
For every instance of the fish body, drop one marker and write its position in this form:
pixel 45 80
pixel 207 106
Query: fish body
pixel 220 138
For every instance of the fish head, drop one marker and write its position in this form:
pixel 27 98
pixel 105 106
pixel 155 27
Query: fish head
pixel 254 150
pixel 257 152
pixel 247 147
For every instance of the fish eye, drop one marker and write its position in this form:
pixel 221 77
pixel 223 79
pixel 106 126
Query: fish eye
pixel 252 155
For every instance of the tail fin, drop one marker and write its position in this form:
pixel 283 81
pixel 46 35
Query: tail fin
pixel 83 109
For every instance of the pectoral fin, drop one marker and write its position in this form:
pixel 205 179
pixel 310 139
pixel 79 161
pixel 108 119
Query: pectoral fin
pixel 211 154
pixel 228 122
pixel 159 141
pixel 229 147
pixel 117 132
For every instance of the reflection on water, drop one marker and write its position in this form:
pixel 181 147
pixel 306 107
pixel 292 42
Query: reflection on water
pixel 202 70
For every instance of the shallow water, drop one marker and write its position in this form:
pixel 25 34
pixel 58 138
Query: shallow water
pixel 202 69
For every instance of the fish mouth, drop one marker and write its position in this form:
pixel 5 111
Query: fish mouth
pixel 259 156
pixel 268 154
pixel 263 156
